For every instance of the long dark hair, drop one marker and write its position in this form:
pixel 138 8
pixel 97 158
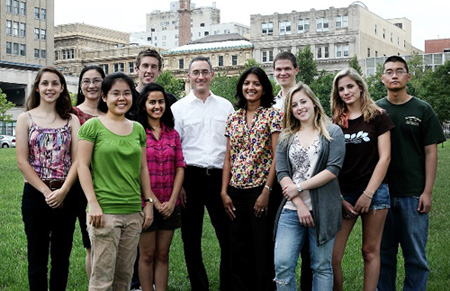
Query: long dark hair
pixel 80 95
pixel 267 98
pixel 166 118
pixel 63 105
pixel 107 84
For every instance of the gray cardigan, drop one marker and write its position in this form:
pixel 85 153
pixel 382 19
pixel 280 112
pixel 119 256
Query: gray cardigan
pixel 325 200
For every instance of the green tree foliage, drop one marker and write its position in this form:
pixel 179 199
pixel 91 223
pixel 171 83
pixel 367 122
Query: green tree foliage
pixel 353 63
pixel 307 65
pixel 171 84
pixel 322 87
pixel 435 89
pixel 376 87
pixel 251 63
pixel 5 105
pixel 224 86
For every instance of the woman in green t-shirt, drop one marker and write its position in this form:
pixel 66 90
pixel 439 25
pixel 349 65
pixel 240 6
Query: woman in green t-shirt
pixel 114 147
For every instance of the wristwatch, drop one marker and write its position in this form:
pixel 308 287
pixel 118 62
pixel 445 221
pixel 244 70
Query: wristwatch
pixel 299 188
pixel 268 188
pixel 149 200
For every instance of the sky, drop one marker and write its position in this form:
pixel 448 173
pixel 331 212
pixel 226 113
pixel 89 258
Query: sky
pixel 428 18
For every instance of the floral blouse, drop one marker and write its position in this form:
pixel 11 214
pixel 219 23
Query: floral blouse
pixel 251 152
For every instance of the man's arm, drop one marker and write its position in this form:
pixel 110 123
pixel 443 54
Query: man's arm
pixel 430 175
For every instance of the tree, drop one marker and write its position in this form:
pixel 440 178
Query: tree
pixel 376 87
pixel 307 65
pixel 353 63
pixel 171 84
pixel 5 105
pixel 251 63
pixel 224 86
pixel 322 87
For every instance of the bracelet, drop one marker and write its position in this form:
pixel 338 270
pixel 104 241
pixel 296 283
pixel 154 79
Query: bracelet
pixel 268 188
pixel 370 197
pixel 342 197
pixel 149 200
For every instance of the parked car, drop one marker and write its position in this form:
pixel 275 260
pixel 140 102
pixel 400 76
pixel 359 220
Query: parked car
pixel 7 141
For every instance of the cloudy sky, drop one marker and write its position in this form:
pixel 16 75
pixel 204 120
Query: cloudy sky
pixel 429 18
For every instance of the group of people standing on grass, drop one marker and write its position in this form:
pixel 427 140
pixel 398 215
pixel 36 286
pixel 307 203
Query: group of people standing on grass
pixel 277 176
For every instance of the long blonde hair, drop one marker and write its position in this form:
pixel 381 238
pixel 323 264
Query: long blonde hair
pixel 339 109
pixel 291 124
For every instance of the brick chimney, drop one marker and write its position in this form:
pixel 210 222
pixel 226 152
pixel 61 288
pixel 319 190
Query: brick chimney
pixel 184 27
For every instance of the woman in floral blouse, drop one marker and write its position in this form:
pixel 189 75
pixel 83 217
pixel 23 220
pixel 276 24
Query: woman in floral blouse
pixel 248 177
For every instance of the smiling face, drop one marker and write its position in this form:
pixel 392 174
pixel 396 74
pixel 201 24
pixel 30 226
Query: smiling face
pixel 50 87
pixel 349 91
pixel 155 105
pixel 148 70
pixel 91 84
pixel 395 76
pixel 302 107
pixel 252 89
pixel 285 73
pixel 119 98
pixel 200 76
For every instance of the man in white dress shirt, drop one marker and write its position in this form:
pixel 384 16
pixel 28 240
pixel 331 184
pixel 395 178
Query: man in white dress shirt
pixel 200 119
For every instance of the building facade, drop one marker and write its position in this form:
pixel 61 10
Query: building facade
pixel 335 35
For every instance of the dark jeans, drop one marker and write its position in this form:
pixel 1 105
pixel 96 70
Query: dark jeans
pixel 251 243
pixel 47 230
pixel 81 215
pixel 203 188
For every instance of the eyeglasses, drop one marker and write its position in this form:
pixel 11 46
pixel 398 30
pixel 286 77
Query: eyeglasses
pixel 87 82
pixel 198 73
pixel 399 73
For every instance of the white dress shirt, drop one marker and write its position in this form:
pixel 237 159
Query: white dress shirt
pixel 279 101
pixel 201 126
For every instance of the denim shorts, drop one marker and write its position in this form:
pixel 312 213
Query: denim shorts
pixel 381 199
pixel 171 223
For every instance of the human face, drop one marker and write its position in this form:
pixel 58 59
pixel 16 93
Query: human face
pixel 395 77
pixel 91 84
pixel 49 87
pixel 148 70
pixel 252 89
pixel 349 91
pixel 119 98
pixel 200 76
pixel 285 73
pixel 155 105
pixel 302 107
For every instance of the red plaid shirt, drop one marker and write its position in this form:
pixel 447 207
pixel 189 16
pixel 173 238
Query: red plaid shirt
pixel 163 157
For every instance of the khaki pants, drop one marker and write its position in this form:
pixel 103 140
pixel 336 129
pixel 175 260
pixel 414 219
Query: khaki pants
pixel 113 251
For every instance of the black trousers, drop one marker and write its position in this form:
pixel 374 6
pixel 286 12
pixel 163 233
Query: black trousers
pixel 48 230
pixel 203 188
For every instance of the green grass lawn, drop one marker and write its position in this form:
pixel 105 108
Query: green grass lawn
pixel 13 266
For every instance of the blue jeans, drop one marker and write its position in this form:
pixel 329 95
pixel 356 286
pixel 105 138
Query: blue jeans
pixel 409 228
pixel 381 198
pixel 289 241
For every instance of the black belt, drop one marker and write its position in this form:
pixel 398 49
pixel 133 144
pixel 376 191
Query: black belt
pixel 207 170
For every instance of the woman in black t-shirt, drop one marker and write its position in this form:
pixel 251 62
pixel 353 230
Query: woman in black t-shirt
pixel 362 181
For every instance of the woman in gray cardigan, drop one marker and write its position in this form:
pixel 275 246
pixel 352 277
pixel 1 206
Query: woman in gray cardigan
pixel 309 155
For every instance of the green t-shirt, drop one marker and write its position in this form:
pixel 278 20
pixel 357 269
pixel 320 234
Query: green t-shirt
pixel 116 166
pixel 416 126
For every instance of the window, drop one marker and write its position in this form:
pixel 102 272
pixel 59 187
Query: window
pixel 368 52
pixel 181 64
pixel 164 44
pixel 36 33
pixel 36 53
pixel 8 6
pixel 404 43
pixel 23 29
pixel 341 50
pixel 384 33
pixel 16 28
pixel 43 14
pixel 376 29
pixel 303 25
pixel 56 55
pixel 118 67
pixel 16 49
pixel 392 37
pixel 319 52
pixel 341 21
pixel 267 28
pixel 323 52
pixel 220 61
pixel 131 67
pixel 8 47
pixel 43 54
pixel 202 24
pixel 16 7
pixel 23 8
pixel 36 12
pixel 43 34
pixel 284 27
pixel 23 50
pixel 149 38
pixel 72 53
pixel 267 56
pixel 322 24
pixel 206 33
pixel 106 68
pixel 8 27
pixel 234 60
pixel 376 54
pixel 398 40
